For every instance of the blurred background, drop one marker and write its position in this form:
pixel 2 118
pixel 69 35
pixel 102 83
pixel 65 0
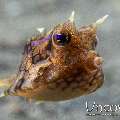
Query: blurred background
pixel 18 22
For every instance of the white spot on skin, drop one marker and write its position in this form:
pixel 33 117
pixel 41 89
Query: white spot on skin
pixel 98 61
pixel 40 73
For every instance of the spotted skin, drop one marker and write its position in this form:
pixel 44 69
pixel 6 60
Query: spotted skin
pixel 52 71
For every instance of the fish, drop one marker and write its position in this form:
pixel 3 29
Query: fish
pixel 60 64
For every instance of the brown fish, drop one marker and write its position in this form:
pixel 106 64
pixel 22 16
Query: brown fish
pixel 60 65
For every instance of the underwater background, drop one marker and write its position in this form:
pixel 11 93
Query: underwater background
pixel 18 22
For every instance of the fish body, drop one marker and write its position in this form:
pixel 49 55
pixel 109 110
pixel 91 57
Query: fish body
pixel 60 64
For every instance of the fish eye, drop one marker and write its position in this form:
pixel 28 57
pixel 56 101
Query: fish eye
pixel 61 39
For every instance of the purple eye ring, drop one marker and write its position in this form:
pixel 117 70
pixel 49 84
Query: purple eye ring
pixel 61 38
pixel 38 42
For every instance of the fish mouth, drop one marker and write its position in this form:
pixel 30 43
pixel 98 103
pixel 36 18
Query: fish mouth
pixel 16 86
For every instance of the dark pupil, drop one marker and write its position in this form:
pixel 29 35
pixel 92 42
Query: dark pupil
pixel 62 39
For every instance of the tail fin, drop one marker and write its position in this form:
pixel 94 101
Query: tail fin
pixel 6 83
